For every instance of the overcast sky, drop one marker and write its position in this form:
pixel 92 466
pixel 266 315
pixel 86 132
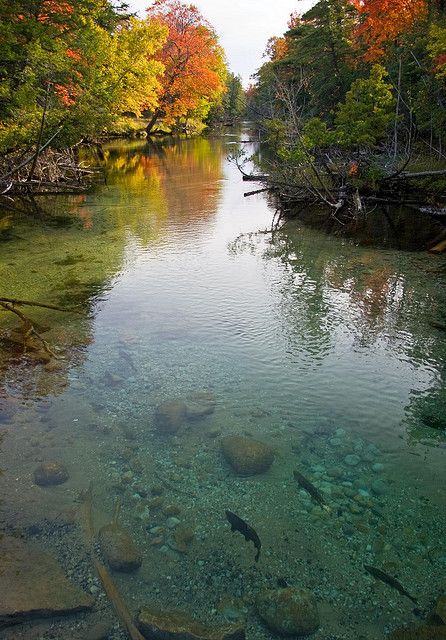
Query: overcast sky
pixel 243 26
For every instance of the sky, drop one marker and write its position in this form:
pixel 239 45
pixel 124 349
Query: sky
pixel 243 27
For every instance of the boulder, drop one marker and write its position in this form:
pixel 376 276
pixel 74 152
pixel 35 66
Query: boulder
pixel 33 585
pixel 246 455
pixel 199 405
pixel 439 612
pixel 424 632
pixel 50 473
pixel 289 612
pixel 118 548
pixel 170 415
pixel 174 625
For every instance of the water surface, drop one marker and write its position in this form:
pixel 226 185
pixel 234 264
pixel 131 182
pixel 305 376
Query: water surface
pixel 324 350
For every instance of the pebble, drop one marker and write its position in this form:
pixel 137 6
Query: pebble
pixel 352 460
pixel 377 467
pixel 172 522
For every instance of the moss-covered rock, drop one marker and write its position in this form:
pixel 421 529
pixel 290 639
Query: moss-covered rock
pixel 246 455
pixel 289 612
pixel 119 549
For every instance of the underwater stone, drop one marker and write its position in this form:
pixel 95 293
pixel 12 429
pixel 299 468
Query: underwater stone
pixel 290 612
pixel 246 455
pixel 170 415
pixel 33 585
pixel 378 467
pixel 99 631
pixel 439 613
pixel 118 548
pixel 425 632
pixel 199 405
pixel 378 487
pixel 175 625
pixel 50 473
pixel 352 460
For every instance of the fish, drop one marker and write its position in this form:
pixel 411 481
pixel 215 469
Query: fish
pixel 390 580
pixel 237 524
pixel 311 489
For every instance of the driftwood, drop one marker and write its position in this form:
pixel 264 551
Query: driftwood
pixel 29 328
pixel 110 589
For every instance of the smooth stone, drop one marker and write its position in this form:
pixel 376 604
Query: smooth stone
pixel 247 456
pixel 378 487
pixel 50 473
pixel 33 585
pixel 352 460
pixel 170 415
pixel 118 548
pixel 172 522
pixel 99 631
pixel 155 624
pixel 424 632
pixel 289 612
pixel 199 405
pixel 377 467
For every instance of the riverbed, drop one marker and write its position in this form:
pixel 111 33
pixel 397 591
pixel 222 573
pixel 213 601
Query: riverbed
pixel 329 353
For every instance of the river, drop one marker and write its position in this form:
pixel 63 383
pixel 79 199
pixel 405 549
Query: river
pixel 328 353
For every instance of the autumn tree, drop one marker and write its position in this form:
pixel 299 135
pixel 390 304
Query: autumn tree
pixel 72 67
pixel 194 64
pixel 382 22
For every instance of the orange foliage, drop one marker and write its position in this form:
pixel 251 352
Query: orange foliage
pixel 384 21
pixel 191 57
pixel 53 9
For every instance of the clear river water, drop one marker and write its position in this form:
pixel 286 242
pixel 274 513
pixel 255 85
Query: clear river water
pixel 193 323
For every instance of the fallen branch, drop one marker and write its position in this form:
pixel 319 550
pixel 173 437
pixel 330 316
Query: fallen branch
pixel 29 329
pixel 253 193
pixel 110 589
pixel 29 303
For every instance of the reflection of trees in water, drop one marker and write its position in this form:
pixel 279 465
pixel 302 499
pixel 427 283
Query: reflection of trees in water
pixel 372 295
pixel 179 181
pixel 69 251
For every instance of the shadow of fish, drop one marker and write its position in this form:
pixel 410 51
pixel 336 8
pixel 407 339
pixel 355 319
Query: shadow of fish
pixel 237 524
pixel 390 580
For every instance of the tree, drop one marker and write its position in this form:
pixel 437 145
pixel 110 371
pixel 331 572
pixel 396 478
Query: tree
pixel 365 116
pixel 384 21
pixel 194 64
pixel 72 66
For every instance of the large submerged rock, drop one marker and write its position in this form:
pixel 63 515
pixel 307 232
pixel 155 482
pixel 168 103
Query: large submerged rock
pixel 119 549
pixel 33 585
pixel 246 455
pixel 174 625
pixel 289 612
pixel 170 415
pixel 425 632
pixel 199 405
pixel 50 473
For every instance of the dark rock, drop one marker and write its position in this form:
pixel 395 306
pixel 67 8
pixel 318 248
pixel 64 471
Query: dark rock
pixel 33 585
pixel 289 612
pixel 425 632
pixel 173 625
pixel 246 455
pixel 169 416
pixel 50 473
pixel 119 548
